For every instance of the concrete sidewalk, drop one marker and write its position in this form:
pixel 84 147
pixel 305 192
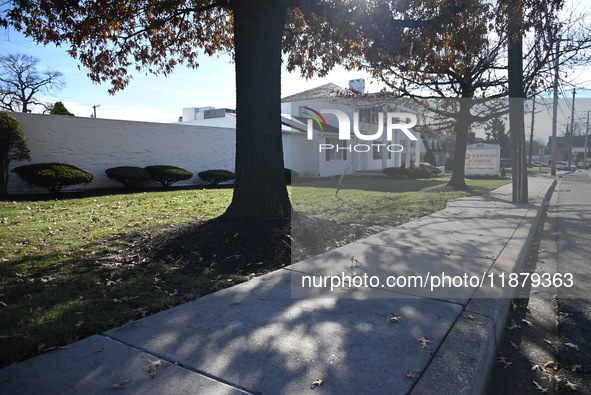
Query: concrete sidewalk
pixel 255 338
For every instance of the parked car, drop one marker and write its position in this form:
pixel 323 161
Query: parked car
pixel 539 164
pixel 564 166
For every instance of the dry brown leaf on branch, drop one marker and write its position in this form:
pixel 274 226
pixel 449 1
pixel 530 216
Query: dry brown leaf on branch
pixel 414 373
pixel 316 383
pixel 423 341
pixel 153 367
pixel 121 385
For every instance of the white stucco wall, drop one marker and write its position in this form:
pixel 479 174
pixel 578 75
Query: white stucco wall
pixel 95 144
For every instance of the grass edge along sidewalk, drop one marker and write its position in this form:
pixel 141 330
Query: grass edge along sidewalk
pixel 61 269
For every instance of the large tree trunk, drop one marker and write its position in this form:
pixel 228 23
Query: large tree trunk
pixel 260 189
pixel 461 129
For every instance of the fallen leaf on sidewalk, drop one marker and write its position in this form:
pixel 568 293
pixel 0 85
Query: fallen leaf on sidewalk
pixel 513 325
pixel 316 383
pixel 423 341
pixel 355 262
pixel 121 385
pixel 573 346
pixel 153 367
pixel 539 387
pixel 506 363
pixel 414 373
pixel 394 317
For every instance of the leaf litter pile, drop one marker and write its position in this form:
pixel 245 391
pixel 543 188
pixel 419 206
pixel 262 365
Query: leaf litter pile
pixel 241 246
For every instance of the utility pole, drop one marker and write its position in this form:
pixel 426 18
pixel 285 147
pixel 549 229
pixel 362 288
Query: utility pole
pixel 555 111
pixel 586 134
pixel 572 132
pixel 531 131
pixel 516 99
pixel 94 108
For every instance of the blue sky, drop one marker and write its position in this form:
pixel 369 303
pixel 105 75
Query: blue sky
pixel 161 99
pixel 148 97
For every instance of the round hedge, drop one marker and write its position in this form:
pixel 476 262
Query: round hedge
pixel 130 176
pixel 168 175
pixel 214 177
pixel 53 176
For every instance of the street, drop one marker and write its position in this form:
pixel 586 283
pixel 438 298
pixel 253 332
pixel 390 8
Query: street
pixel 546 345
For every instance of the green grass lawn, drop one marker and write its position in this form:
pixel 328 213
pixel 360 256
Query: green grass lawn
pixel 61 273
pixel 379 200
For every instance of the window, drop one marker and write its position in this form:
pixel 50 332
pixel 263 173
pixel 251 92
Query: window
pixel 378 150
pixel 368 115
pixel 338 151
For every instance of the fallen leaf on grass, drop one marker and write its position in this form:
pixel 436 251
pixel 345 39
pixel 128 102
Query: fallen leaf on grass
pixel 550 364
pixel 528 323
pixel 515 346
pixel 153 367
pixel 316 383
pixel 121 385
pixel 539 387
pixel 423 341
pixel 571 386
pixel 536 367
pixel 142 310
pixel 394 317
pixel 573 346
pixel 414 373
pixel 576 367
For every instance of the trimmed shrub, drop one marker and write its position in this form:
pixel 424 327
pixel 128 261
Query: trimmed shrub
pixel 432 170
pixel 13 146
pixel 412 172
pixel 53 176
pixel 214 177
pixel 130 176
pixel 168 175
pixel 419 172
pixel 290 175
pixel 397 172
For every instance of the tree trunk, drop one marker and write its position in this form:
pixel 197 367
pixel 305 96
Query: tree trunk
pixel 461 128
pixel 3 177
pixel 260 189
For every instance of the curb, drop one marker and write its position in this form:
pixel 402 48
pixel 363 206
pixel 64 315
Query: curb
pixel 463 362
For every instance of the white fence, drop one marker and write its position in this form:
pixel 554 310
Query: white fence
pixel 95 144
